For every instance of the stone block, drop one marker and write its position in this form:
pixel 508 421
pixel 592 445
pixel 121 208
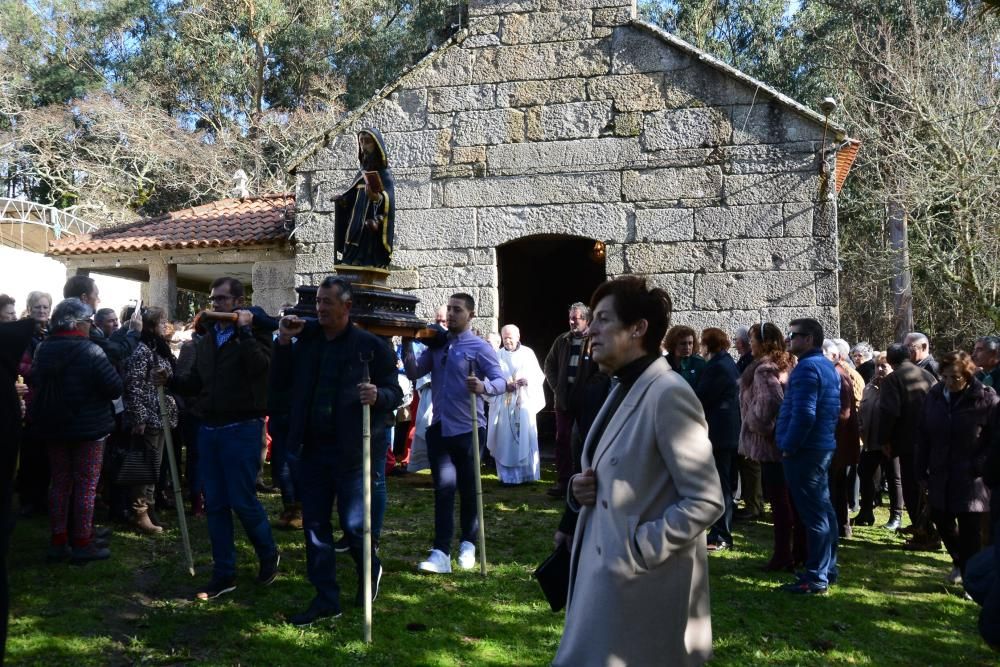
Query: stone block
pixel 451 67
pixel 485 325
pixel 600 32
pixel 541 27
pixel 481 41
pixel 446 276
pixel 403 280
pixel 628 124
pixel 553 60
pixel 433 297
pixel 440 121
pixel 487 8
pixel 303 192
pixel 418 149
pixel 630 92
pixel 599 221
pixel 487 305
pixel 485 25
pixel 414 259
pixel 452 171
pixel 683 157
pixel 273 275
pixel 727 222
pixel 771 123
pixel 772 158
pixel 634 52
pixel 536 93
pixel 727 320
pixel 798 219
pixel 482 256
pixel 797 186
pixel 664 225
pixel 610 17
pixel 673 257
pixel 825 219
pixel 668 183
pixel 499 126
pixel 828 316
pixel 555 5
pixel 724 291
pixel 328 185
pixel 797 254
pixel 340 152
pixel 680 287
pixel 527 190
pixel 614 259
pixel 468 154
pixel 316 228
pixel 576 120
pixel 556 156
pixel 320 260
pixel 461 98
pixel 436 228
pixel 403 110
pixel 827 289
pixel 413 188
pixel 686 128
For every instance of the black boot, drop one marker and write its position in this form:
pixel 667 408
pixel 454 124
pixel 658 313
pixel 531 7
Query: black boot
pixel 895 520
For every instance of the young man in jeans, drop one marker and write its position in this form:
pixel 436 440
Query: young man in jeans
pixel 229 379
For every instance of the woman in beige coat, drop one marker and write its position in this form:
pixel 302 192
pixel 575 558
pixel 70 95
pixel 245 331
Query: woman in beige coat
pixel 649 490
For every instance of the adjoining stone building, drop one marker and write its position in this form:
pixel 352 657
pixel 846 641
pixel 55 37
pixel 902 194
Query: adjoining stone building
pixel 556 142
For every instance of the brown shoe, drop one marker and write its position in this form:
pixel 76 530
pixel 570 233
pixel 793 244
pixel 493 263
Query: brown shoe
pixel 142 523
pixel 295 517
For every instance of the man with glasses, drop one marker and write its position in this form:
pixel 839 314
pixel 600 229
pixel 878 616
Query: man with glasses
pixel 805 430
pixel 920 353
pixel 229 379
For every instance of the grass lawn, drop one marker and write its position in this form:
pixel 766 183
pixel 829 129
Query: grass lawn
pixel 889 608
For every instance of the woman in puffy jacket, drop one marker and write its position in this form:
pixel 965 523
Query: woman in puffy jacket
pixel 72 413
pixel 762 390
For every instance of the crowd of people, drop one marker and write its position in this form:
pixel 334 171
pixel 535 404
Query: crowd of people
pixel 660 433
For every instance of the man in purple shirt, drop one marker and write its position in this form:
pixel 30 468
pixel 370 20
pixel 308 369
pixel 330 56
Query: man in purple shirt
pixel 466 363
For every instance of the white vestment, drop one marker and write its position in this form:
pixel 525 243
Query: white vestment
pixel 513 434
pixel 421 420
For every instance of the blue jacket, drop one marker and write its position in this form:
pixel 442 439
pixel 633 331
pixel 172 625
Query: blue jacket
pixel 808 415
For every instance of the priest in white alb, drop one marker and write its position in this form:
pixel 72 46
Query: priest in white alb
pixel 513 434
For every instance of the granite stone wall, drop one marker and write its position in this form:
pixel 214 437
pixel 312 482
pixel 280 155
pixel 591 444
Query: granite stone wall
pixel 569 117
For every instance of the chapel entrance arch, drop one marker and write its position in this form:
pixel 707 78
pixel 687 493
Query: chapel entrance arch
pixel 539 277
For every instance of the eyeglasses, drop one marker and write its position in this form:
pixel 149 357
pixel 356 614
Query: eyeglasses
pixel 792 334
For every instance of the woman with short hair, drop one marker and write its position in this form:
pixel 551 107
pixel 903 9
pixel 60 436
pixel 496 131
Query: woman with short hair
pixel 72 413
pixel 718 391
pixel 648 491
pixel 952 448
pixel 680 346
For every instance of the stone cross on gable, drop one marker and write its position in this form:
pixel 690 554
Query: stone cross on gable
pixel 538 20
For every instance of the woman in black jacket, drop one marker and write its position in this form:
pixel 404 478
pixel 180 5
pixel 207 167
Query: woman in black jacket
pixel 718 390
pixel 72 412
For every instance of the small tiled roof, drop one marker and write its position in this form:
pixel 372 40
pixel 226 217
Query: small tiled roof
pixel 224 223
pixel 845 159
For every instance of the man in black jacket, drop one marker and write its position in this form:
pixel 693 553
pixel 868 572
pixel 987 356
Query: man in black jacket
pixel 325 371
pixel 120 345
pixel 229 382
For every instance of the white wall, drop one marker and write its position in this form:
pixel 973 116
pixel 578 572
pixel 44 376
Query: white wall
pixel 22 271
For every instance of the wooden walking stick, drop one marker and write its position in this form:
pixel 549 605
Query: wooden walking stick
pixel 479 477
pixel 366 481
pixel 161 395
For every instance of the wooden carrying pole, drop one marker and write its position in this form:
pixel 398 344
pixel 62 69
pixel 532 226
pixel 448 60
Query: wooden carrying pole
pixel 479 476
pixel 366 481
pixel 161 395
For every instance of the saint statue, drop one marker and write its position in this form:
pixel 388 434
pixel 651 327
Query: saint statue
pixel 365 214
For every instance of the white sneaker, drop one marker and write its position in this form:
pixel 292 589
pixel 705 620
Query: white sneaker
pixel 467 555
pixel 438 563
pixel 955 577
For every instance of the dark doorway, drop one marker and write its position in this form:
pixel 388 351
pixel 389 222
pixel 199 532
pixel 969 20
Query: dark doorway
pixel 540 276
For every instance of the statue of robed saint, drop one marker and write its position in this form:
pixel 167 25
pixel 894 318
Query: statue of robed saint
pixel 365 214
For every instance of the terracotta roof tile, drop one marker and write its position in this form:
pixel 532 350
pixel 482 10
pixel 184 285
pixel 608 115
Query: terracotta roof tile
pixel 845 159
pixel 223 223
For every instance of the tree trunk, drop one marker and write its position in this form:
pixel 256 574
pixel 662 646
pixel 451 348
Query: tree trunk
pixel 902 295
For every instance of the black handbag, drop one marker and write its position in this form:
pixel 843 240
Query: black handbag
pixel 553 577
pixel 140 465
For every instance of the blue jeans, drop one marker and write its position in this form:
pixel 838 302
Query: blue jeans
pixel 453 466
pixel 284 467
pixel 321 483
pixel 229 461
pixel 807 476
